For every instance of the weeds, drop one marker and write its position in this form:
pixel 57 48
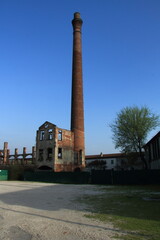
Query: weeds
pixel 134 210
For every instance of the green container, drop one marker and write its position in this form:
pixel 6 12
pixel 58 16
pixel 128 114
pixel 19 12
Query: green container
pixel 3 175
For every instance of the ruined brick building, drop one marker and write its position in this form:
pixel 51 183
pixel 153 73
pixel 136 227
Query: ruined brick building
pixel 56 148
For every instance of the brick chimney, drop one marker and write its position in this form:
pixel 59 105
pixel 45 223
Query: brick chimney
pixel 77 111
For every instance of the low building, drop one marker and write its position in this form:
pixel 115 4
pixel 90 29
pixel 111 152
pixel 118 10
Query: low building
pixel 114 161
pixel 152 152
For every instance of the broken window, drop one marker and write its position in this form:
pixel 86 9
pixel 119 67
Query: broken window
pixel 40 154
pixel 60 135
pixel 76 157
pixel 59 152
pixel 50 134
pixel 41 135
pixel 49 154
pixel 80 156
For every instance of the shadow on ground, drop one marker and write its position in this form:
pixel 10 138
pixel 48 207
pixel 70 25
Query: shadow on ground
pixel 55 197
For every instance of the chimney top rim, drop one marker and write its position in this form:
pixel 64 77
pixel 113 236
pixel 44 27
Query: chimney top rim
pixel 77 15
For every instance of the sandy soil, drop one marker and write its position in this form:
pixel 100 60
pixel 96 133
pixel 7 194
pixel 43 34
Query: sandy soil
pixel 41 211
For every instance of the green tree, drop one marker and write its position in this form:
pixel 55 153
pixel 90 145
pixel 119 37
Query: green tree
pixel 100 164
pixel 131 127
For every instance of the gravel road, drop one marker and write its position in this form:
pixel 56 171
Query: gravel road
pixel 42 211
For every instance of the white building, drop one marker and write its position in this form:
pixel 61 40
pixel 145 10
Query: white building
pixel 105 161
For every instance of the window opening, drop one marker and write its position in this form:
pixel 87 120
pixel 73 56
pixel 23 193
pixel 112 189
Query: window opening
pixel 59 152
pixel 41 135
pixel 49 153
pixel 80 156
pixel 40 154
pixel 50 134
pixel 112 161
pixel 60 135
pixel 76 157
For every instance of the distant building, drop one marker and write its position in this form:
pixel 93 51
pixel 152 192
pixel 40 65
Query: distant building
pixel 115 161
pixel 152 152
pixel 105 161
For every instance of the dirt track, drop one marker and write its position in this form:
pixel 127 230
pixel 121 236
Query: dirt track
pixel 41 211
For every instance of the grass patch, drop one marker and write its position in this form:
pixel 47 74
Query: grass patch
pixel 134 210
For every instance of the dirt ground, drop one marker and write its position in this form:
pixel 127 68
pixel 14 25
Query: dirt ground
pixel 42 211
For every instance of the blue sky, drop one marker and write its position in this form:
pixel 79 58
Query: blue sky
pixel 121 65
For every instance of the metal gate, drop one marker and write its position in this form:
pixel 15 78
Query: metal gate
pixel 3 175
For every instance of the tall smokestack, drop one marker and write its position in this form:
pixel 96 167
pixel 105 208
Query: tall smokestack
pixel 77 111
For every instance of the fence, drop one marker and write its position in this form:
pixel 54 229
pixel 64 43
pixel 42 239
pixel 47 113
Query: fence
pixel 110 177
pixel 97 177
pixel 125 177
pixel 58 177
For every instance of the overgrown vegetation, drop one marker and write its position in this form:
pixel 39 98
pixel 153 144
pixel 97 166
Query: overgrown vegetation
pixel 135 211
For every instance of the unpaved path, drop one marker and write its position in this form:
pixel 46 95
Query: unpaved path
pixel 41 211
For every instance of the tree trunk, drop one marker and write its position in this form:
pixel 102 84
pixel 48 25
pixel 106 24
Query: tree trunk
pixel 143 158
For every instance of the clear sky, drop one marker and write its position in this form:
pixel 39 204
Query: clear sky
pixel 121 65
